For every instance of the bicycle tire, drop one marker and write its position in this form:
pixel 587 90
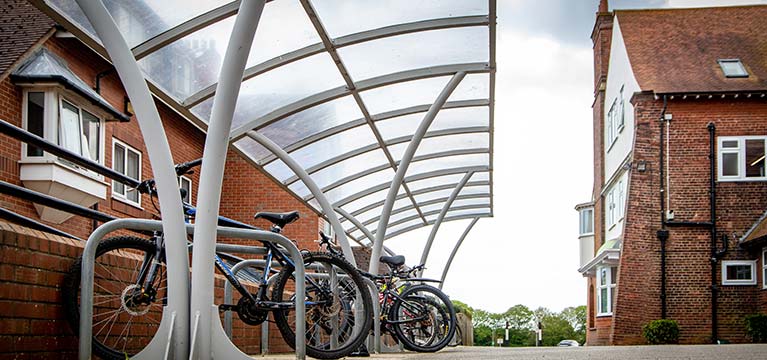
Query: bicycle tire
pixel 114 258
pixel 422 302
pixel 318 337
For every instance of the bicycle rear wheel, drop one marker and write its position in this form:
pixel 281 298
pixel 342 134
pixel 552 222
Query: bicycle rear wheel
pixel 423 318
pixel 125 316
pixel 335 292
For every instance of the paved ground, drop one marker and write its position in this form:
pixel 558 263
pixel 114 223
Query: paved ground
pixel 673 352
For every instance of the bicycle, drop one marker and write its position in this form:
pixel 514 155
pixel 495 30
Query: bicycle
pixel 130 291
pixel 419 316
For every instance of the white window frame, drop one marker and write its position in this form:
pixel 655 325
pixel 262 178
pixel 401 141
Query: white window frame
pixel 620 202
pixel 181 180
pixel 54 96
pixel 116 195
pixel 741 152
pixel 609 285
pixel 764 267
pixel 616 120
pixel 727 263
pixel 611 219
pixel 582 221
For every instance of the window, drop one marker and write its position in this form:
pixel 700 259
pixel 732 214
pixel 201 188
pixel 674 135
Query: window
pixel 739 272
pixel 615 119
pixel 127 161
pixel 620 203
pixel 606 280
pixel 63 121
pixel 586 221
pixel 764 268
pixel 186 184
pixel 742 158
pixel 78 131
pixel 611 208
pixel 733 68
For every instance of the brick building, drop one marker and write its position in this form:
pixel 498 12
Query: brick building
pixel 47 79
pixel 676 224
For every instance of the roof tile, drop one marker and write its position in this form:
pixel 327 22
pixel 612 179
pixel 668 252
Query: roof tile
pixel 676 50
pixel 21 26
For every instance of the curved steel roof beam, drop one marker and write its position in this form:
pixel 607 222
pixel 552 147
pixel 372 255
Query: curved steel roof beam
pixel 181 30
pixel 417 177
pixel 362 121
pixel 408 208
pixel 372 83
pixel 398 140
pixel 453 218
pixel 426 203
pixel 448 153
pixel 434 212
pixel 369 35
pixel 443 212
pixel 455 250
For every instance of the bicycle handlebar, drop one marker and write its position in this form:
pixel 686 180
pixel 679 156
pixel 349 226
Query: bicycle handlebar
pixel 147 186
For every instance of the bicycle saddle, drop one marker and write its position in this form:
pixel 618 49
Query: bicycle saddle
pixel 395 261
pixel 279 219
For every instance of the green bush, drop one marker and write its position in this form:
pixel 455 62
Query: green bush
pixel 661 332
pixel 756 327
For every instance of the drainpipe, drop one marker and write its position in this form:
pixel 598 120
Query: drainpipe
pixel 663 233
pixel 715 253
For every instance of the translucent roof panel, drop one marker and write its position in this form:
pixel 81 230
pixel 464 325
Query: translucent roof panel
pixel 468 212
pixel 448 162
pixel 402 226
pixel 395 59
pixel 402 95
pixel 360 163
pixel 252 148
pixel 473 86
pixel 435 181
pixel 334 146
pixel 416 50
pixel 446 119
pixel 360 184
pixel 312 121
pixel 347 17
pixel 280 87
pixel 439 194
pixel 439 144
pixel 140 20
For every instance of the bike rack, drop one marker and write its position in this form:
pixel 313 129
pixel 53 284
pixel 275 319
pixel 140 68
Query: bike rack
pixel 160 345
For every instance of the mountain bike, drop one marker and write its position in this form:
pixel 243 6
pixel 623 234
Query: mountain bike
pixel 130 291
pixel 419 316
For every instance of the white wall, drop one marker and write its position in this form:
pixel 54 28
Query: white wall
pixel 619 74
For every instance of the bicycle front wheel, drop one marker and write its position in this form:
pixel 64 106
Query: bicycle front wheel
pixel 423 318
pixel 126 309
pixel 338 306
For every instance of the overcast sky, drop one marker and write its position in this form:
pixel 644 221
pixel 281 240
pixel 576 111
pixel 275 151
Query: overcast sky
pixel 528 253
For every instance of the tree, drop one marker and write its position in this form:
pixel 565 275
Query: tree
pixel 461 307
pixel 576 316
pixel 555 329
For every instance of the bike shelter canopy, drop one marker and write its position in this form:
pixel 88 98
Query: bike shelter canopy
pixel 341 86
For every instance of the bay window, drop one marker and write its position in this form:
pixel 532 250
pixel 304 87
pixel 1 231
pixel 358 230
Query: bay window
pixel 606 281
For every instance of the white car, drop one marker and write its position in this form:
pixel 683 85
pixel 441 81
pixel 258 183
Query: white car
pixel 568 343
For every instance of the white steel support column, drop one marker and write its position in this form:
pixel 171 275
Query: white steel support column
pixel 315 190
pixel 455 250
pixel 162 166
pixel 405 163
pixel 212 172
pixel 445 208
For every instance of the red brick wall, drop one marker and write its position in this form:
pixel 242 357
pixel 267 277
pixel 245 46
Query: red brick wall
pixel 602 38
pixel 739 205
